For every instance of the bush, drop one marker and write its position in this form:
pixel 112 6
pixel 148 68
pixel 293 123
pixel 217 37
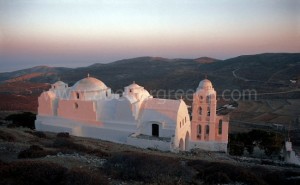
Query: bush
pixel 46 173
pixel 32 173
pixel 270 142
pixel 25 119
pixel 216 173
pixel 34 151
pixel 7 136
pixel 145 168
pixel 98 153
pixel 63 134
pixel 66 143
pixel 286 176
pixel 77 176
pixel 38 134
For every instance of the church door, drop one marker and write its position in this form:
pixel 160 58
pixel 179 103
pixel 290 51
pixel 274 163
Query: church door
pixel 155 130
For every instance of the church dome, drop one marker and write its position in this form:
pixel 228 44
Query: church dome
pixel 89 84
pixel 205 84
pixel 59 83
pixel 134 86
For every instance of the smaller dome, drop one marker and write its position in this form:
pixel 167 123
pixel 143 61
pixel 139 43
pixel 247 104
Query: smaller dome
pixel 60 83
pixel 134 86
pixel 89 84
pixel 205 84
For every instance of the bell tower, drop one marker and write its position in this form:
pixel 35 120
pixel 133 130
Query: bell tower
pixel 204 112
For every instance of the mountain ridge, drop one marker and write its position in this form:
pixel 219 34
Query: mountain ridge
pixel 163 73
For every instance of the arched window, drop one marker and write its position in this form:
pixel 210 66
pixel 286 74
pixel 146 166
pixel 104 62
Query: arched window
pixel 208 111
pixel 201 97
pixel 207 99
pixel 53 86
pixel 199 131
pixel 76 105
pixel 200 110
pixel 77 95
pixel 220 127
pixel 207 129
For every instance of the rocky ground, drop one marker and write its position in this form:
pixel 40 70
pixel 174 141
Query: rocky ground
pixel 31 157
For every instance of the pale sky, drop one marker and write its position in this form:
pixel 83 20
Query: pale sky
pixel 80 33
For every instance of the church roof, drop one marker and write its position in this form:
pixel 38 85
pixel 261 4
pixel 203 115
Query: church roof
pixel 89 84
pixel 161 110
pixel 59 83
pixel 134 86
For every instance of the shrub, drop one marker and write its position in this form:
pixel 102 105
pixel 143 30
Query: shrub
pixel 77 176
pixel 46 173
pixel 7 136
pixel 38 134
pixel 145 168
pixel 216 173
pixel 34 151
pixel 25 119
pixel 270 142
pixel 66 143
pixel 63 134
pixel 286 176
pixel 32 173
pixel 99 153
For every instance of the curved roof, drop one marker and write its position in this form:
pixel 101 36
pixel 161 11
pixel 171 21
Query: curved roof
pixel 89 84
pixel 60 83
pixel 134 86
pixel 205 84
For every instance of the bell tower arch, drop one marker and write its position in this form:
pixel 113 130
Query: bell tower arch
pixel 204 112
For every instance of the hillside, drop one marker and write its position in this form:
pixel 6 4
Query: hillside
pixel 263 72
pixel 30 157
pixel 268 74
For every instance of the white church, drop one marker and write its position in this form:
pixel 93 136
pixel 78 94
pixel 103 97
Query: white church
pixel 90 109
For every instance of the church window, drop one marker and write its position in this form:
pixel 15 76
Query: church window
pixel 220 127
pixel 208 111
pixel 77 95
pixel 130 90
pixel 200 111
pixel 207 129
pixel 201 97
pixel 76 105
pixel 207 99
pixel 54 86
pixel 199 130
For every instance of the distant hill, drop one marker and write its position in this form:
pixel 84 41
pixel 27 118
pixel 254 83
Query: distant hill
pixel 264 72
pixel 206 60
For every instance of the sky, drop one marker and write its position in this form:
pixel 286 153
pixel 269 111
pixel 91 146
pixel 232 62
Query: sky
pixel 74 33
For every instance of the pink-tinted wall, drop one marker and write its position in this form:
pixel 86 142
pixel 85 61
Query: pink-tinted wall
pixel 77 110
pixel 45 105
